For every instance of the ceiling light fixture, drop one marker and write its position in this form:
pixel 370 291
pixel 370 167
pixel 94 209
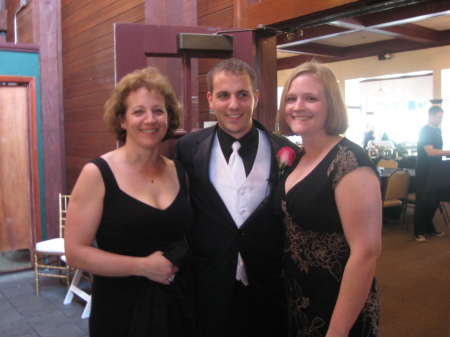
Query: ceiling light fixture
pixel 380 91
pixel 384 56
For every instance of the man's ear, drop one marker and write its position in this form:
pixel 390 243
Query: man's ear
pixel 209 96
pixel 256 97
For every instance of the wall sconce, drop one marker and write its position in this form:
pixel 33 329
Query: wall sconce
pixel 384 56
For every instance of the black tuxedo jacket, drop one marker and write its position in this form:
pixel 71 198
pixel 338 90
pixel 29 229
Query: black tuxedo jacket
pixel 216 240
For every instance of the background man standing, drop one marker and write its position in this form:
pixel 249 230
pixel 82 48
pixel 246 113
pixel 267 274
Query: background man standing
pixel 429 151
pixel 237 238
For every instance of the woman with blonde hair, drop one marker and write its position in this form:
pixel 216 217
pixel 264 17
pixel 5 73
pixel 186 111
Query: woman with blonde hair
pixel 331 201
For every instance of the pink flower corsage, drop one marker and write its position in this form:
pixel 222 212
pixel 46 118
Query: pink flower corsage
pixel 285 158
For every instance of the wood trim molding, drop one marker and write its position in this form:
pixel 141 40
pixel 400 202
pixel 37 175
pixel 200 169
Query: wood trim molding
pixel 33 150
pixel 19 47
pixel 3 21
pixel 239 13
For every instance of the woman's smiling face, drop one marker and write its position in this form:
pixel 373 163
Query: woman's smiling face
pixel 145 118
pixel 306 106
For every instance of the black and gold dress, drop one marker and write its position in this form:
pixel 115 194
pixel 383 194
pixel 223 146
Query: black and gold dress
pixel 316 251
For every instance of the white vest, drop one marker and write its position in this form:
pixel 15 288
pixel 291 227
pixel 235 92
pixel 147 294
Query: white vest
pixel 241 200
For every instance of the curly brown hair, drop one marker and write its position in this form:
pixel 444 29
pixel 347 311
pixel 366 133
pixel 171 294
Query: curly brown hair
pixel 151 79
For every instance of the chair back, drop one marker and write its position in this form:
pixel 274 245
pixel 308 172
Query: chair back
pixel 397 185
pixel 63 203
pixel 388 163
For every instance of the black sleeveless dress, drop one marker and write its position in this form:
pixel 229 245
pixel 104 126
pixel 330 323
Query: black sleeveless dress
pixel 136 306
pixel 316 251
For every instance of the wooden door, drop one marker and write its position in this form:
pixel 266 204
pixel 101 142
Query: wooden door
pixel 16 207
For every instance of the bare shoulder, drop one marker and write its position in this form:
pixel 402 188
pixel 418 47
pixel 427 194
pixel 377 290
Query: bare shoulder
pixel 90 179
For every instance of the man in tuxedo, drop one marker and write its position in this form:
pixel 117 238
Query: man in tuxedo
pixel 237 238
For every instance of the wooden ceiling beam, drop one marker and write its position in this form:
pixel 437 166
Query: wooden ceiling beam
pixel 310 34
pixel 316 49
pixel 408 14
pixel 411 32
pixel 375 24
pixel 292 62
pixel 333 54
pixel 269 12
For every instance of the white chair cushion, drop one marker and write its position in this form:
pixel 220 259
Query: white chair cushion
pixel 51 246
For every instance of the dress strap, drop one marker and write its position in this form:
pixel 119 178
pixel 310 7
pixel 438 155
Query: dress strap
pixel 107 174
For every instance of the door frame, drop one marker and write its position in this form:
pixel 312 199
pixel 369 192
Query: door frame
pixel 36 230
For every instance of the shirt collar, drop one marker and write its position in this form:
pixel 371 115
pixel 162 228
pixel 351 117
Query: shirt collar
pixel 248 142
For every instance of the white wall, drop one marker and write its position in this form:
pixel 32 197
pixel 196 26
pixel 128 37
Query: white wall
pixel 434 60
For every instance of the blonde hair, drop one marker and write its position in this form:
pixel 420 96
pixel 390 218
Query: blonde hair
pixel 151 79
pixel 337 118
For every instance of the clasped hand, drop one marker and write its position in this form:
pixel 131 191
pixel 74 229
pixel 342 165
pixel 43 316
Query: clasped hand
pixel 159 269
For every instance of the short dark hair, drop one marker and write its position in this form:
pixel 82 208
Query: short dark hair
pixel 232 66
pixel 337 119
pixel 151 79
pixel 435 109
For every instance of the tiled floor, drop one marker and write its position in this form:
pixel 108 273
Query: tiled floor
pixel 24 314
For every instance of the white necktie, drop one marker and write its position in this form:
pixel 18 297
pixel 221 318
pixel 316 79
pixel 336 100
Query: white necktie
pixel 236 164
pixel 237 168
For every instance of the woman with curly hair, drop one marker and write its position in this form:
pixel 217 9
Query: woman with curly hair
pixel 128 215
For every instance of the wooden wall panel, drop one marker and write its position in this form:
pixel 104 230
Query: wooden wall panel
pixel 86 151
pixel 83 114
pixel 213 13
pixel 89 61
pixel 24 21
pixel 77 90
pixel 222 18
pixel 89 48
pixel 73 169
pixel 3 23
pixel 89 139
pixel 95 99
pixel 269 12
pixel 72 6
pixel 88 75
pixel 80 126
pixel 102 15
pixel 25 24
pixel 134 15
pixel 206 64
pixel 207 7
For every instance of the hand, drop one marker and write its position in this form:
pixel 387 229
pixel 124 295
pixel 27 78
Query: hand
pixel 157 268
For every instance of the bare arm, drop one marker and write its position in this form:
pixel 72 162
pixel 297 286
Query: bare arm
pixel 432 152
pixel 358 199
pixel 83 219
